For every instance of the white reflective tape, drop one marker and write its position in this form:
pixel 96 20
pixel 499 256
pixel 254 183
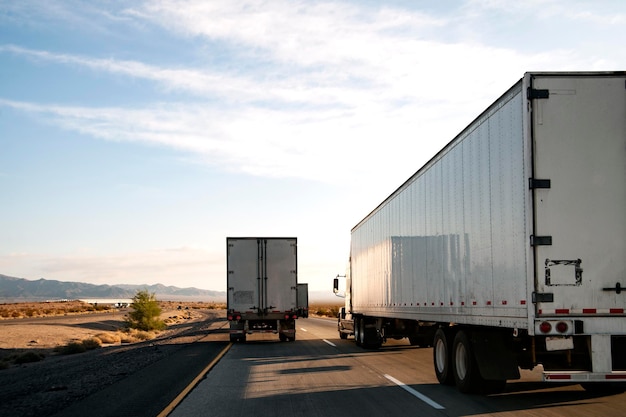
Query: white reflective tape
pixel 417 394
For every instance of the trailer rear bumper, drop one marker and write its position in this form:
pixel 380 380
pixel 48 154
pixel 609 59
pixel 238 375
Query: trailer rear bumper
pixel 581 376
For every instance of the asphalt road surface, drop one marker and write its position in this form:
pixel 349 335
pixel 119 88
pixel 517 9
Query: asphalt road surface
pixel 321 375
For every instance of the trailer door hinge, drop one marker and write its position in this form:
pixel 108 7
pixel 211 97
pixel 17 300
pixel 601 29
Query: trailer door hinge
pixel 540 240
pixel 535 183
pixel 533 93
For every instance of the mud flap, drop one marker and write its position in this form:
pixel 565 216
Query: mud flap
pixel 495 361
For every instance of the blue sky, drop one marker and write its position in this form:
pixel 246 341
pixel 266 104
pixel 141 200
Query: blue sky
pixel 136 136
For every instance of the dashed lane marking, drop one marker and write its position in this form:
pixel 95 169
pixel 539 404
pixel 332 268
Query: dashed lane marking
pixel 330 343
pixel 415 393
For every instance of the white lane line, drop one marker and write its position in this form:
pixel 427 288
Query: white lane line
pixel 303 329
pixel 330 343
pixel 419 395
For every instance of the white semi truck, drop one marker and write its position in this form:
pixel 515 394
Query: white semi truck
pixel 507 249
pixel 262 276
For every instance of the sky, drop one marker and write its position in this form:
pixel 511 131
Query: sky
pixel 135 136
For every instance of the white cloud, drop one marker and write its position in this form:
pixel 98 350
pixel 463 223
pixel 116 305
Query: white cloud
pixel 321 83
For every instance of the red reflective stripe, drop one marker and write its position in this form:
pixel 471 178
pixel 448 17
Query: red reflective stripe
pixel 523 302
pixel 616 376
pixel 558 376
pixel 616 311
pixel 589 311
pixel 561 311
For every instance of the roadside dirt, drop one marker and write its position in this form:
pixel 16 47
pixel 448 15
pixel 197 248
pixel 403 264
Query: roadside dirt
pixel 55 382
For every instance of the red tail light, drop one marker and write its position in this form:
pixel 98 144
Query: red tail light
pixel 545 327
pixel 562 327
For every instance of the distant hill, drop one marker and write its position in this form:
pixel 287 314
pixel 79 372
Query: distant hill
pixel 18 289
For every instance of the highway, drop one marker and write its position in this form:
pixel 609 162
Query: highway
pixel 321 375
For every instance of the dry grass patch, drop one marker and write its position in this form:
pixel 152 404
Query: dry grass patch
pixel 134 335
pixel 191 305
pixel 325 310
pixel 45 309
pixel 109 338
pixel 81 346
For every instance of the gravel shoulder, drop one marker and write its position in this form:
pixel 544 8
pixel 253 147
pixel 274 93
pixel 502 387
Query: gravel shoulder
pixel 57 381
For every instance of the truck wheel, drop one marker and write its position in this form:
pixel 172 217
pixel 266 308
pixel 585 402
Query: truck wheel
pixel 282 337
pixel 441 358
pixel 370 336
pixel 466 374
pixel 343 335
pixel 358 331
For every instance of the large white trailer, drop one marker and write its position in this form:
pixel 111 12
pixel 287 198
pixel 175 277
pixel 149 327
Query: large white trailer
pixel 262 276
pixel 508 248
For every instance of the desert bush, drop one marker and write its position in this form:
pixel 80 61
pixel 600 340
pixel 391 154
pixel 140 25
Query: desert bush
pixel 143 335
pixel 146 312
pixel 80 346
pixel 109 338
pixel 72 348
pixel 28 357
pixel 92 343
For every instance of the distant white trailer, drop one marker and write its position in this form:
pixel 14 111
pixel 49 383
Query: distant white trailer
pixel 303 300
pixel 116 302
pixel 508 248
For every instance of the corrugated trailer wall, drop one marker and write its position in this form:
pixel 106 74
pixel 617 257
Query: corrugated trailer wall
pixel 458 222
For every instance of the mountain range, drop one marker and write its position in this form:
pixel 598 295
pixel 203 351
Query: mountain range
pixel 19 289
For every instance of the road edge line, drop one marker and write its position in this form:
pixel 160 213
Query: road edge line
pixel 179 398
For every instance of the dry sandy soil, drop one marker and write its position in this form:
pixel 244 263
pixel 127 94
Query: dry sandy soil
pixel 45 387
pixel 41 333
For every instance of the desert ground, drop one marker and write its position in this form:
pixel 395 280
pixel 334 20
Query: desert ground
pixel 46 326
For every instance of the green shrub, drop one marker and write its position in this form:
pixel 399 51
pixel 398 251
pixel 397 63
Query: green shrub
pixel 146 314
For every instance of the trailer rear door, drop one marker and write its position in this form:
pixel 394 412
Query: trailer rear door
pixel 579 130
pixel 262 274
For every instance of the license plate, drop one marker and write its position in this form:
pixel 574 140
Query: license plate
pixel 559 343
